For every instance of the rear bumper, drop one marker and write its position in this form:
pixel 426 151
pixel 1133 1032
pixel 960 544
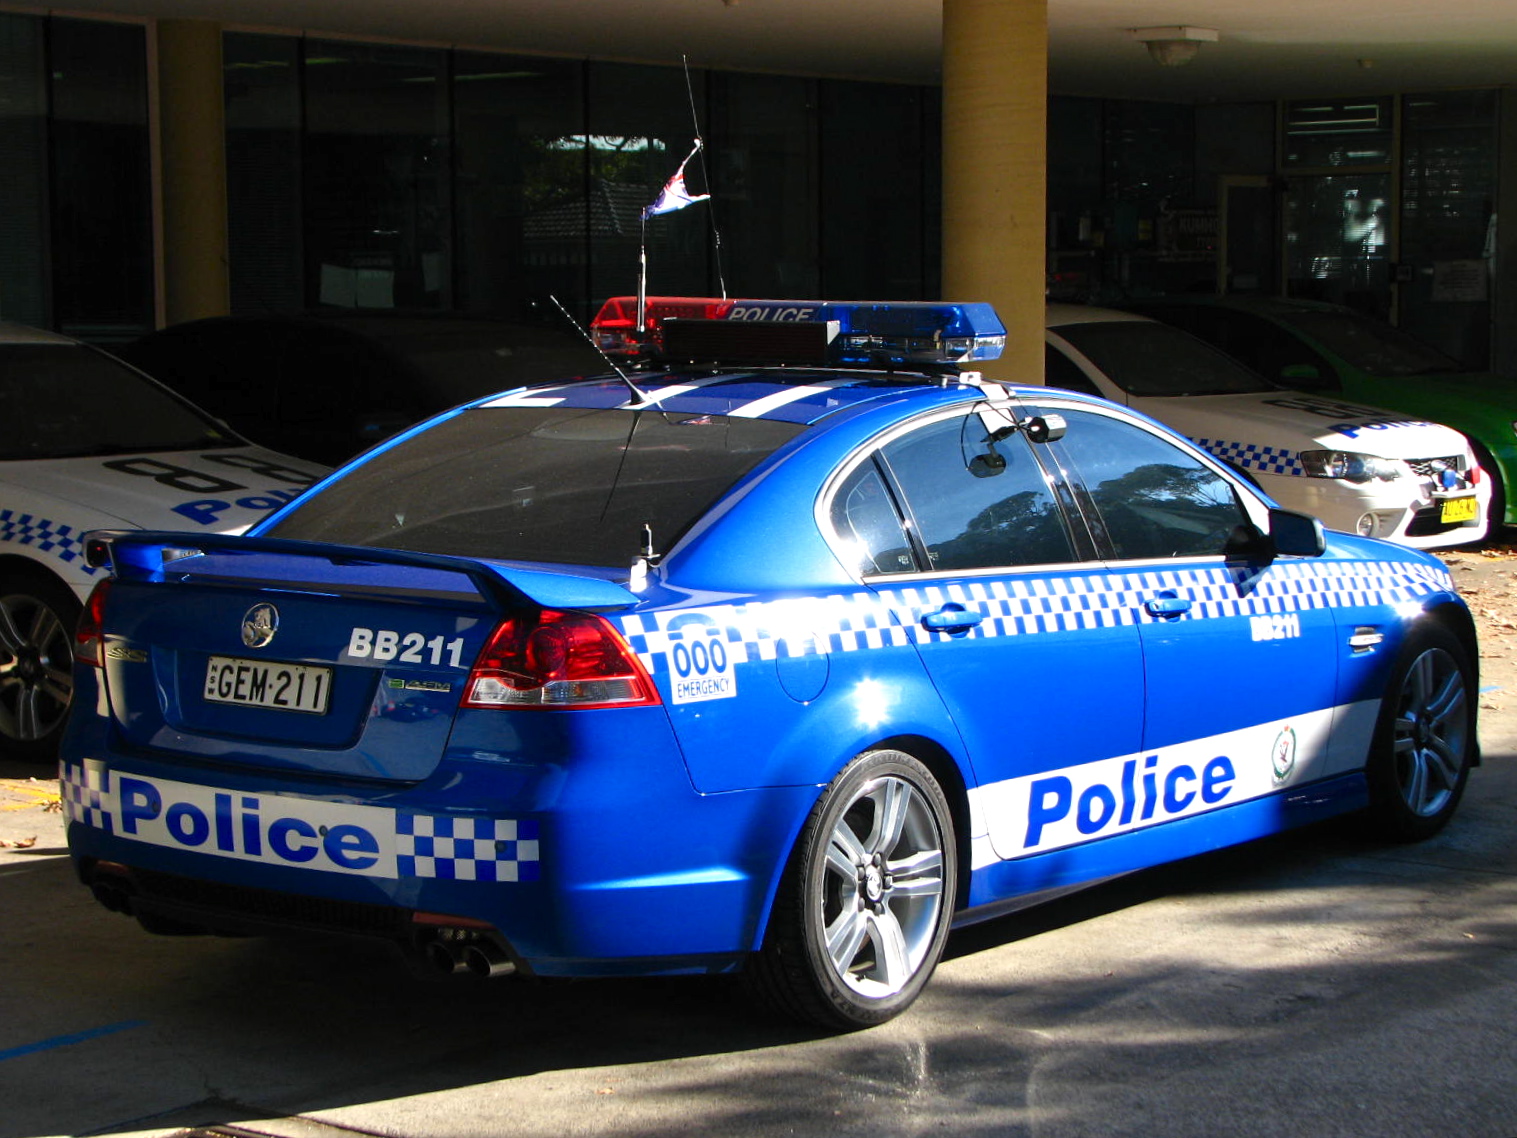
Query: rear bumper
pixel 571 874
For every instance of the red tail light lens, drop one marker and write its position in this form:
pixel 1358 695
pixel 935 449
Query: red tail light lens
pixel 558 659
pixel 89 633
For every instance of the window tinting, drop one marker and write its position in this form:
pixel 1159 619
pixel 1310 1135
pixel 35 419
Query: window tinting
pixel 1371 345
pixel 64 401
pixel 977 503
pixel 1148 359
pixel 1061 371
pixel 865 518
pixel 1265 347
pixel 1154 499
pixel 564 485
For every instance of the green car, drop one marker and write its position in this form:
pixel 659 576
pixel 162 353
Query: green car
pixel 1325 348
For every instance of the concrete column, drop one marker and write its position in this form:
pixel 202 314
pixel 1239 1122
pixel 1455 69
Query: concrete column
pixel 995 168
pixel 192 170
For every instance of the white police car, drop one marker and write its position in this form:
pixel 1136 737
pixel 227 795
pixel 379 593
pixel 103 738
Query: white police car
pixel 757 659
pixel 1360 469
pixel 85 441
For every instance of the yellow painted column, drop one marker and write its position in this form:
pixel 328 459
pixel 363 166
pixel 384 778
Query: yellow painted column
pixel 995 168
pixel 192 170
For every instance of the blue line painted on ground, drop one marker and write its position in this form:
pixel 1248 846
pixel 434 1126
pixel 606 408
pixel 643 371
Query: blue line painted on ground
pixel 1490 687
pixel 66 1040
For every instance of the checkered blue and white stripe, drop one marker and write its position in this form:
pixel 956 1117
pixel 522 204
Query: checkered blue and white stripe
pixel 1252 456
pixel 46 536
pixel 466 849
pixel 1030 605
pixel 87 796
pixel 424 845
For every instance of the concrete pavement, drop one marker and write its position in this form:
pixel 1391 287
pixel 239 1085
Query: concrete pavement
pixel 1306 984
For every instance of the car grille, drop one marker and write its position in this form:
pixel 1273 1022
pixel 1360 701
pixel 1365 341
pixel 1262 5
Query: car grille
pixel 1432 467
pixel 210 901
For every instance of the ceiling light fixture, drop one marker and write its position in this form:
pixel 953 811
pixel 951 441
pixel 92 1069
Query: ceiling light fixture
pixel 1175 45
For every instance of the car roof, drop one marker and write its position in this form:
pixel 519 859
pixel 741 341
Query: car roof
pixel 24 334
pixel 1059 315
pixel 792 395
pixel 1264 305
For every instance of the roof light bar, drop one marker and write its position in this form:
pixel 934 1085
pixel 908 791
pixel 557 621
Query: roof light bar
pixel 867 333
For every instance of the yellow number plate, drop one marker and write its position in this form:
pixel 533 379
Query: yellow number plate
pixel 1459 510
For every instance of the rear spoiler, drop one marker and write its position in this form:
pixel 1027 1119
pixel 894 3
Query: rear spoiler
pixel 160 555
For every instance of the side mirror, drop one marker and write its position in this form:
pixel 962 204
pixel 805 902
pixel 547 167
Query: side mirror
pixel 1290 533
pixel 1297 535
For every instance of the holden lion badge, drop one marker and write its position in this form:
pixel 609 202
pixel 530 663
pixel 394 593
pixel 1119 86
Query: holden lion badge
pixel 259 625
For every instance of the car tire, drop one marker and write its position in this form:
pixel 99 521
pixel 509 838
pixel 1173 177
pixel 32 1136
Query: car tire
pixel 866 900
pixel 38 615
pixel 1424 741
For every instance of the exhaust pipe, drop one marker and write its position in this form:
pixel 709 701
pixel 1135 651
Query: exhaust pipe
pixel 113 895
pixel 486 959
pixel 446 957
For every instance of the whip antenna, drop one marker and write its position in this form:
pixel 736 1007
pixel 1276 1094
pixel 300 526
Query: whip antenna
pixel 638 394
pixel 716 234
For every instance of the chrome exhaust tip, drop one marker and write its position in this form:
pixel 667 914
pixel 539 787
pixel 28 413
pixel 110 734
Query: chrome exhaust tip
pixel 487 960
pixel 445 957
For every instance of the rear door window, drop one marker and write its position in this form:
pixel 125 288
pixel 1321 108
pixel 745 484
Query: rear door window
pixel 977 503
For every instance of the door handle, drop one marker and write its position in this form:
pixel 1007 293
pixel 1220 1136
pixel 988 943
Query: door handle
pixel 1167 603
pixel 952 618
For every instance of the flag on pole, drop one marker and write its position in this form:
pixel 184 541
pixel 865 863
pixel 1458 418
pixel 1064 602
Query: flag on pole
pixel 674 195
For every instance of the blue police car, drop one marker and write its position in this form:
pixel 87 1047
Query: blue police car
pixel 782 651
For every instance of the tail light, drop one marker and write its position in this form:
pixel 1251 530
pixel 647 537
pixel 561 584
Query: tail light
pixel 558 659
pixel 89 633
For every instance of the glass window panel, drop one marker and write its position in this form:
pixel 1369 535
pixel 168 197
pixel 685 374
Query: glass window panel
pixel 873 237
pixel 520 135
pixel 541 484
pixel 1145 358
pixel 23 175
pixel 1154 499
pixel 102 254
pixel 1448 193
pixel 765 180
pixel 1338 132
pixel 377 176
pixel 977 504
pixel 64 401
pixel 864 516
pixel 262 85
pixel 1061 371
pixel 1337 232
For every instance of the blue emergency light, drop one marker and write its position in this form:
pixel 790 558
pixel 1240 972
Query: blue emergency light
pixel 919 334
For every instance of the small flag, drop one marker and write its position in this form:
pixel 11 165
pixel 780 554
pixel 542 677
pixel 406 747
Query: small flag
pixel 674 195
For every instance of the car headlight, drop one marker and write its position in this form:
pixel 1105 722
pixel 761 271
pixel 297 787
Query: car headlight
pixel 1349 466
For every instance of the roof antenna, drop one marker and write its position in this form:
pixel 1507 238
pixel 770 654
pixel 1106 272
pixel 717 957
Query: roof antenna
pixel 638 394
pixel 716 234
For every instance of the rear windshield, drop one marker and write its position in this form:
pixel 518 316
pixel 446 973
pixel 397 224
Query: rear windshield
pixel 1149 359
pixel 1370 345
pixel 564 485
pixel 68 400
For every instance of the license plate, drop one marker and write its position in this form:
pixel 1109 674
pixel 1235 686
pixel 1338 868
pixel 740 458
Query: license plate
pixel 260 683
pixel 1465 509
